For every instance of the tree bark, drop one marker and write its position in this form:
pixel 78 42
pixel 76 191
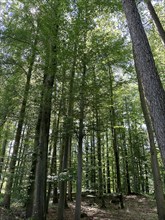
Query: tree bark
pixel 80 145
pixel 67 138
pixel 39 205
pixel 3 150
pixel 8 188
pixel 158 186
pixel 30 188
pixel 108 165
pixel 147 72
pixel 114 139
pixel 156 20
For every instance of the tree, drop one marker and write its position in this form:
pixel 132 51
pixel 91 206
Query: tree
pixel 154 161
pixel 8 188
pixel 39 204
pixel 80 143
pixel 114 137
pixel 156 21
pixel 147 71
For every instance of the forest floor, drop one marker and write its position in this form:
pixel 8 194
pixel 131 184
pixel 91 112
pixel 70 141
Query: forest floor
pixel 137 207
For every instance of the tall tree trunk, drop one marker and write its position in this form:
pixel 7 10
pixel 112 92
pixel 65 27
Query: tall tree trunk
pixel 132 154
pixel 80 145
pixel 8 188
pixel 39 205
pixel 87 176
pixel 6 165
pixel 53 163
pixel 54 137
pixel 19 161
pixel 147 72
pixel 69 166
pixel 158 186
pixel 99 143
pixel 99 158
pixel 53 166
pixel 22 169
pixel 156 20
pixel 67 138
pixel 30 188
pixel 3 150
pixel 114 141
pixel 128 188
pixel 108 165
pixel 93 160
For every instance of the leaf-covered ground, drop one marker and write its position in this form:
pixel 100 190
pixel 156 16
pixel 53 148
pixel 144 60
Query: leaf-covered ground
pixel 137 207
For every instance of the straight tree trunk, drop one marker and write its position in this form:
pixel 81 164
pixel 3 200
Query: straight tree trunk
pixel 114 141
pixel 19 161
pixel 158 186
pixel 108 165
pixel 99 158
pixel 80 145
pixel 128 188
pixel 8 188
pixel 3 150
pixel 67 138
pixel 147 72
pixel 53 164
pixel 87 164
pixel 61 111
pixel 69 166
pixel 99 143
pixel 30 189
pixel 156 20
pixel 132 154
pixel 39 205
pixel 5 168
pixel 93 160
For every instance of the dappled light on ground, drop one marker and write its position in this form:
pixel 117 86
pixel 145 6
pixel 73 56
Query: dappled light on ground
pixel 137 207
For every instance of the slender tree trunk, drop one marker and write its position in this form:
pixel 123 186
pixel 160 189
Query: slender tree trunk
pixel 104 169
pixel 30 188
pixel 156 20
pixel 53 167
pixel 93 161
pixel 87 164
pixel 69 166
pixel 128 190
pixel 99 158
pixel 132 154
pixel 147 72
pixel 108 165
pixel 6 165
pixel 114 141
pixel 160 201
pixel 3 150
pixel 8 188
pixel 53 163
pixel 39 205
pixel 22 169
pixel 99 143
pixel 66 139
pixel 17 169
pixel 80 145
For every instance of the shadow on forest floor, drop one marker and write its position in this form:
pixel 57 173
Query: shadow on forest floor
pixel 137 207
